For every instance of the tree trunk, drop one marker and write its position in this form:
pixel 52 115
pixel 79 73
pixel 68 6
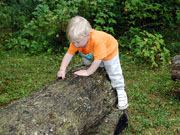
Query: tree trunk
pixel 65 107
pixel 175 74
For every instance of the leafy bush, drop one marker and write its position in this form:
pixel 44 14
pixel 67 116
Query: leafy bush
pixel 46 30
pixel 174 47
pixel 148 47
pixel 15 14
pixel 147 14
pixel 39 25
pixel 43 31
pixel 105 19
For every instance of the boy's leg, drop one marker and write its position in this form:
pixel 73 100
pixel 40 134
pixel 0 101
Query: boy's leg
pixel 87 62
pixel 114 71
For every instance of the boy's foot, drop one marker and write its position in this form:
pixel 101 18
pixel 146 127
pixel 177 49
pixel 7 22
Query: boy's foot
pixel 122 100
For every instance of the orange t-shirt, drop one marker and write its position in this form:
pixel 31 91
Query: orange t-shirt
pixel 100 44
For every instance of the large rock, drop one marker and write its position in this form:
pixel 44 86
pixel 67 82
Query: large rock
pixel 65 107
pixel 175 74
pixel 113 124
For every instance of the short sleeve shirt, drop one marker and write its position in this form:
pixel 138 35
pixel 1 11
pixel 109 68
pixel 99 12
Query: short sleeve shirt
pixel 100 45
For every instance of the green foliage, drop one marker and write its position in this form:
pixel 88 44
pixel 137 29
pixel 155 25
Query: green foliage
pixel 42 32
pixel 49 23
pixel 145 13
pixel 172 40
pixel 99 13
pixel 140 10
pixel 148 47
pixel 39 25
pixel 105 19
pixel 14 13
pixel 4 18
pixel 178 16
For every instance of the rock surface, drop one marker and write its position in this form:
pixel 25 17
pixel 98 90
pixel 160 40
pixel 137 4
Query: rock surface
pixel 65 107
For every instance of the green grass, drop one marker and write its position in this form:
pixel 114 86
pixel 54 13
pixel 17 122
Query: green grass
pixel 21 74
pixel 153 97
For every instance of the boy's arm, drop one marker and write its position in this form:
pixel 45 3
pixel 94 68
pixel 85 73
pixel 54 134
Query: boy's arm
pixel 65 62
pixel 95 64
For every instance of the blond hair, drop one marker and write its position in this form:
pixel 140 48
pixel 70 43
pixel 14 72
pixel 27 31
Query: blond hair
pixel 78 28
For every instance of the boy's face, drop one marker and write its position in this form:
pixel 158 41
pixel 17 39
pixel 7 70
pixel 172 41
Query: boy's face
pixel 81 43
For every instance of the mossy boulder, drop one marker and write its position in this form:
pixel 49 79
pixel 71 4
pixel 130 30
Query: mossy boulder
pixel 65 107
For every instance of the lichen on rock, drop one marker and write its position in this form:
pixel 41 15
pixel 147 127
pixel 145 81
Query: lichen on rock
pixel 65 107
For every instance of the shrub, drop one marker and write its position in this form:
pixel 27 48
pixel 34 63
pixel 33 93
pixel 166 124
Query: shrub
pixel 105 19
pixel 145 13
pixel 40 24
pixel 43 31
pixel 149 48
pixel 15 14
pixel 46 30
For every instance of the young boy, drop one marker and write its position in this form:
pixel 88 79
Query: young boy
pixel 97 48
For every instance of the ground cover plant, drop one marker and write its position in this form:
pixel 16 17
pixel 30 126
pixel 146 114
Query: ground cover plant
pixel 153 96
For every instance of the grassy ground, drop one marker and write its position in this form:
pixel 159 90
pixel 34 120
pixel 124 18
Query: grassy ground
pixel 21 74
pixel 153 97
pixel 154 100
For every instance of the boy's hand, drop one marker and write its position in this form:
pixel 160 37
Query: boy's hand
pixel 61 73
pixel 81 73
